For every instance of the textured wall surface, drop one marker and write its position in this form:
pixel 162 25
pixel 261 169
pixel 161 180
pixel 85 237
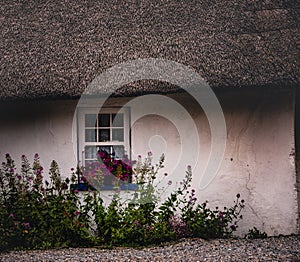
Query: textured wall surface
pixel 43 127
pixel 258 162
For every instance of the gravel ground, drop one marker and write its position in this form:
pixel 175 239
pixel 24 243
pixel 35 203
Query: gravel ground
pixel 270 249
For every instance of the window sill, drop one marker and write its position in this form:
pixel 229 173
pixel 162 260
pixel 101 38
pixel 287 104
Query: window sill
pixel 86 187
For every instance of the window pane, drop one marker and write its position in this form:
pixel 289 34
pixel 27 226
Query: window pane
pixel 90 152
pixel 104 120
pixel 118 151
pixel 118 134
pixel 118 120
pixel 90 120
pixel 90 135
pixel 104 135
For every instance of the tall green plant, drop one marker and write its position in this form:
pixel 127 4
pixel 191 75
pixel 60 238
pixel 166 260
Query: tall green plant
pixel 35 213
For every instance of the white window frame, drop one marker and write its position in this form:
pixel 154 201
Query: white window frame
pixel 81 112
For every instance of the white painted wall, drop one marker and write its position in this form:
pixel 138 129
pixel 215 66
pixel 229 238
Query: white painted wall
pixel 258 162
pixel 43 127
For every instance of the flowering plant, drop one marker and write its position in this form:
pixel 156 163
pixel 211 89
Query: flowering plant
pixel 107 170
pixel 38 213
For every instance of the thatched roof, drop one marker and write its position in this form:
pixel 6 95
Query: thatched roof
pixel 54 49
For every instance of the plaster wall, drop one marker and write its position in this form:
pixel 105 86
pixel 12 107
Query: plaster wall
pixel 258 161
pixel 43 127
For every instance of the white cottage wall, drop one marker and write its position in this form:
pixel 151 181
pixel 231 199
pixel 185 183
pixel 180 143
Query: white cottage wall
pixel 258 163
pixel 259 158
pixel 43 127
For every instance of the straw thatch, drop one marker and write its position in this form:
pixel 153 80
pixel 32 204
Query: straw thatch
pixel 54 49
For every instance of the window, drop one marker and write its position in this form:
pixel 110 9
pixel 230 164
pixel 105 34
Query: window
pixel 106 131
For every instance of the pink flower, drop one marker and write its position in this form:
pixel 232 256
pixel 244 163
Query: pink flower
pixel 105 172
pixel 101 154
pixel 11 215
pixel 125 177
pixel 91 174
pixel 27 225
pixel 106 159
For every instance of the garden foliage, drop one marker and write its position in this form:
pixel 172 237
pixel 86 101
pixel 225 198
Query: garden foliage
pixel 39 214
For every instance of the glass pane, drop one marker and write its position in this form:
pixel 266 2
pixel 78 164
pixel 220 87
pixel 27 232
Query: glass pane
pixel 90 152
pixel 90 135
pixel 118 151
pixel 90 120
pixel 118 134
pixel 118 120
pixel 104 135
pixel 104 120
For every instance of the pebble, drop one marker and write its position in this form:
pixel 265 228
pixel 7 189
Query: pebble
pixel 283 248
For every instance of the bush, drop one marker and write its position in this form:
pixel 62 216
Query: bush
pixel 255 233
pixel 38 214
